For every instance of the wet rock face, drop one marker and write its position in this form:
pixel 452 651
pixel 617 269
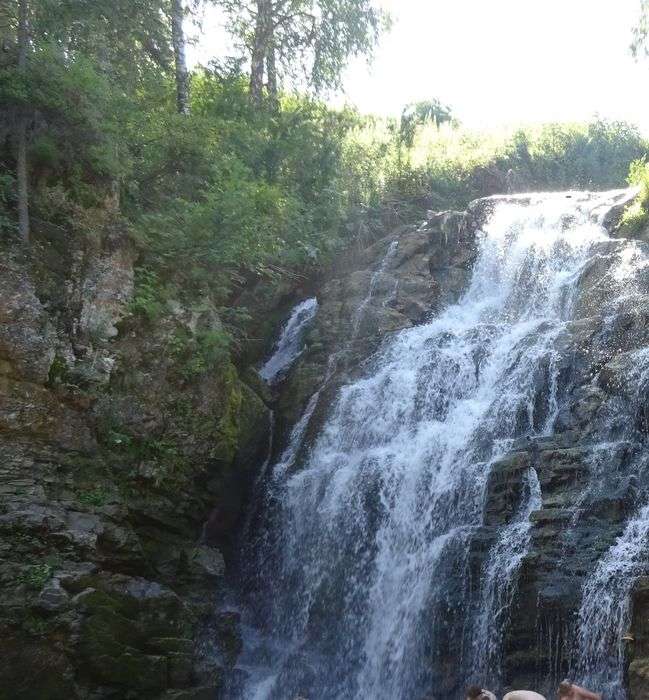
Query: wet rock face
pixel 637 643
pixel 588 492
pixel 394 284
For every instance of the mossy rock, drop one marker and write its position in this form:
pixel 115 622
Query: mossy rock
pixel 34 670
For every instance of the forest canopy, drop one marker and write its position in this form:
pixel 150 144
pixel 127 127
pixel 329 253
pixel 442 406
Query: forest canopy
pixel 227 171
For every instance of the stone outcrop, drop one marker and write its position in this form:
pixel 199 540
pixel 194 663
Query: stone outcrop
pixel 124 468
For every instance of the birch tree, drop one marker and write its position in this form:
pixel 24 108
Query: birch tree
pixel 307 42
pixel 22 171
pixel 180 60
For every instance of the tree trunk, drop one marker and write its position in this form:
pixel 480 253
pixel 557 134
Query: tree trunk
pixel 178 39
pixel 259 48
pixel 271 69
pixel 22 173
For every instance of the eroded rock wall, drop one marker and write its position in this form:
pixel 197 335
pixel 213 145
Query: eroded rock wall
pixel 114 453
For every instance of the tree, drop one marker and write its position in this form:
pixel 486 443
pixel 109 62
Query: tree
pixel 22 172
pixel 305 41
pixel 180 61
pixel 418 113
pixel 260 47
pixel 640 43
pixel 126 39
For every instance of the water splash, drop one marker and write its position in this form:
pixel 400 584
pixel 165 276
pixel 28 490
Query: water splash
pixel 289 346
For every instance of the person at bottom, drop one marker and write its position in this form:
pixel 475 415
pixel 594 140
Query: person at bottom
pixel 523 695
pixel 570 691
pixel 475 692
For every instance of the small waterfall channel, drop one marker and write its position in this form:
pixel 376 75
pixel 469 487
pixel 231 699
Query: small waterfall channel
pixel 289 346
pixel 365 579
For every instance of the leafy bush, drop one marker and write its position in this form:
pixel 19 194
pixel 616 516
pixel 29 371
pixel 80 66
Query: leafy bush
pixel 636 216
pixel 94 497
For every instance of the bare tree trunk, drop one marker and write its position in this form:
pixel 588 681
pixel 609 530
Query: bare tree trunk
pixel 271 69
pixel 178 39
pixel 260 43
pixel 22 173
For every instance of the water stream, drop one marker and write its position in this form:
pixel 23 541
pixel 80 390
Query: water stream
pixel 290 343
pixel 605 613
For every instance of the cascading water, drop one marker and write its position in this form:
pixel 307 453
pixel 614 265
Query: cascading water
pixel 499 580
pixel 605 612
pixel 296 437
pixel 367 570
pixel 376 276
pixel 289 345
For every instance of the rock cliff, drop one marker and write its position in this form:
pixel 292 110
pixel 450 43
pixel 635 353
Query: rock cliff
pixel 124 467
pixel 588 487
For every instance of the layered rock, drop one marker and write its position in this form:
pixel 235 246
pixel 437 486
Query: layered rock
pixel 395 283
pixel 115 451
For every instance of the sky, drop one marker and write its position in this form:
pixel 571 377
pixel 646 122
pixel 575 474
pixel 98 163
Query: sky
pixel 499 62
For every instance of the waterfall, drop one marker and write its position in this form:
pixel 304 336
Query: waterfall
pixel 367 574
pixel 289 346
pixel 605 612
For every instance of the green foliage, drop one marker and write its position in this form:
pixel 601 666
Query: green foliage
pixel 58 373
pixel 115 438
pixel 75 140
pixel 36 575
pixel 451 166
pixel 421 113
pixel 312 40
pixel 35 626
pixel 148 297
pixel 94 497
pixel 199 352
pixel 636 216
pixel 157 457
pixel 7 220
pixel 640 33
